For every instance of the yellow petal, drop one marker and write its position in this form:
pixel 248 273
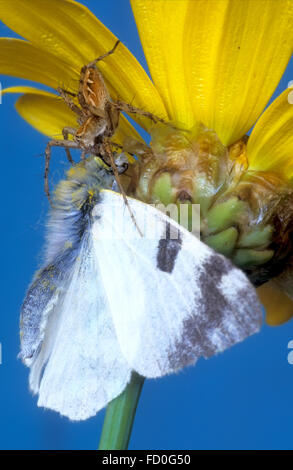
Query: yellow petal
pixel 270 146
pixel 22 59
pixel 279 308
pixel 71 32
pixel 26 89
pixel 226 57
pixel 161 26
pixel 45 112
pixel 49 114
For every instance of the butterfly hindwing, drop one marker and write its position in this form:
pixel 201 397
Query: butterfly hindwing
pixel 41 299
pixel 82 365
pixel 67 334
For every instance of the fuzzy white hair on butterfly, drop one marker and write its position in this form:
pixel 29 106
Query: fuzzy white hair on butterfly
pixel 110 300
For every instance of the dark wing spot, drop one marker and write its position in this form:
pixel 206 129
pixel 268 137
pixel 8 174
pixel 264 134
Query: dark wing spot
pixel 196 330
pixel 168 249
pixel 214 302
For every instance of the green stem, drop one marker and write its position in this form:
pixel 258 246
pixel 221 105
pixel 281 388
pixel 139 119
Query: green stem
pixel 120 416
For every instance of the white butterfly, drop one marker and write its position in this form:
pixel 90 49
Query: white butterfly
pixel 109 300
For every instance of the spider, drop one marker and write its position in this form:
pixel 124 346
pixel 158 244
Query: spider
pixel 97 116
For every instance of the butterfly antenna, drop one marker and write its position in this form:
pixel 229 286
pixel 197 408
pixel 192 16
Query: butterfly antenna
pixel 117 178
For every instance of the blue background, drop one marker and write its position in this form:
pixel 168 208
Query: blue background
pixel 241 399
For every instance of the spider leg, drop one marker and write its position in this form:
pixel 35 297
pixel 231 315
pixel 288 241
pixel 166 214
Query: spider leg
pixel 128 108
pixel 94 62
pixel 66 95
pixel 121 147
pixel 70 93
pixel 50 144
pixel 66 131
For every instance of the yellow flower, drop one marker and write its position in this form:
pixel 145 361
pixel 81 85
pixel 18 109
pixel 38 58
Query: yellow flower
pixel 217 62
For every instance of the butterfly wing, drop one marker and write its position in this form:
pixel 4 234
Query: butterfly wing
pixel 67 334
pixel 172 298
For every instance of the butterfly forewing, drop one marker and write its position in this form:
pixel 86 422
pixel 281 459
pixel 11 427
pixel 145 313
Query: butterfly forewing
pixel 172 299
